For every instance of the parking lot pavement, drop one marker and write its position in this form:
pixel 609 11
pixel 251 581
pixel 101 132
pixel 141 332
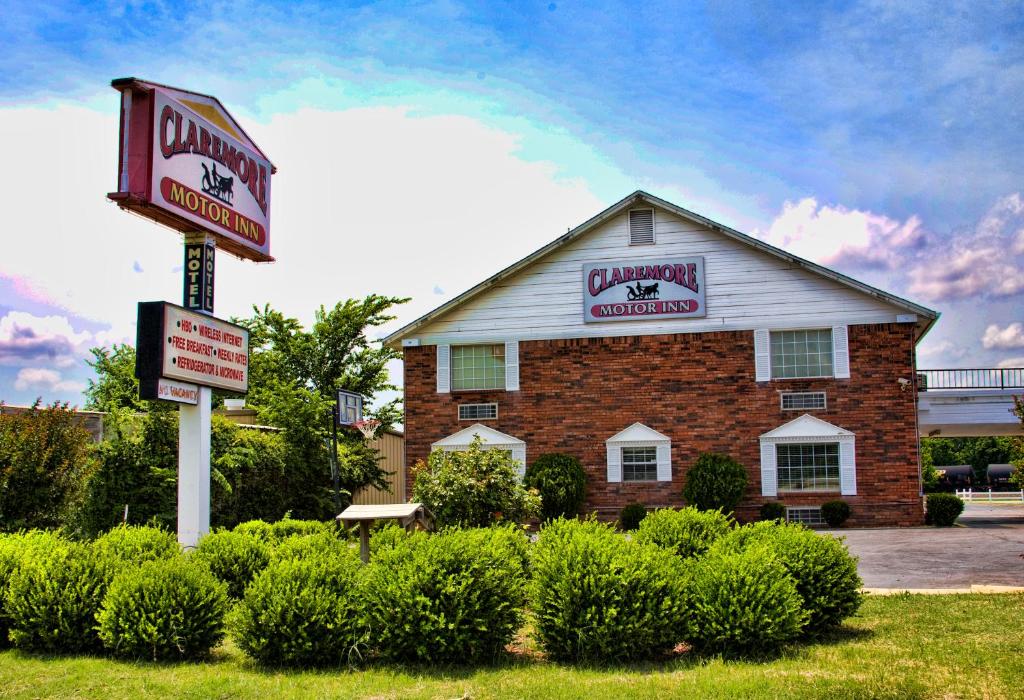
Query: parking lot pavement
pixel 986 548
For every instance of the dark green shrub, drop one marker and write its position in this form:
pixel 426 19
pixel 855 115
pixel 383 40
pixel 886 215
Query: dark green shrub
pixel 835 513
pixel 233 558
pixel 773 510
pixel 391 536
pixel 303 611
pixel 14 549
pixel 53 598
pixel 136 544
pixel 561 482
pixel 743 602
pixel 473 488
pixel 288 527
pixel 943 509
pixel 456 596
pixel 715 482
pixel 688 532
pixel 631 516
pixel 163 610
pixel 824 571
pixel 597 596
pixel 259 529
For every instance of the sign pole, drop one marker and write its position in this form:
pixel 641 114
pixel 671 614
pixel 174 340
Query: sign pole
pixel 194 421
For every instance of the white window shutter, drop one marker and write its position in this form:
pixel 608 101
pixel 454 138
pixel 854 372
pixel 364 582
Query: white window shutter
pixel 519 455
pixel 840 353
pixel 614 463
pixel 665 462
pixel 847 469
pixel 769 474
pixel 444 371
pixel 762 355
pixel 512 365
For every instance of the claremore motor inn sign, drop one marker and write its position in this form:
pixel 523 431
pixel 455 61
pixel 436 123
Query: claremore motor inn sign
pixel 644 289
pixel 186 163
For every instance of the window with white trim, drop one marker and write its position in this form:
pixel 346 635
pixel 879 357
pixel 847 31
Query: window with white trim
pixel 640 463
pixel 478 411
pixel 477 367
pixel 803 466
pixel 803 353
pixel 803 400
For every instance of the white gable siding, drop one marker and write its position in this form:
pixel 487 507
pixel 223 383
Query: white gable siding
pixel 745 289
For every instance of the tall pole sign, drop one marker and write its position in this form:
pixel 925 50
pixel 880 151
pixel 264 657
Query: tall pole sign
pixel 185 162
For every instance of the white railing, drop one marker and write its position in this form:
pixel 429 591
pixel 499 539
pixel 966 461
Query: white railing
pixel 990 496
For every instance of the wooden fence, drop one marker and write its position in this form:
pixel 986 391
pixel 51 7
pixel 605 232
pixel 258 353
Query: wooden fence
pixel 391 446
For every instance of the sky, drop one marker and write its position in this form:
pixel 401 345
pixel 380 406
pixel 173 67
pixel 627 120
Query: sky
pixel 423 146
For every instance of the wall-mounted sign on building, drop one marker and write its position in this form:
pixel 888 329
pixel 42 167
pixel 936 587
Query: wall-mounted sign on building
pixel 177 344
pixel 643 289
pixel 185 162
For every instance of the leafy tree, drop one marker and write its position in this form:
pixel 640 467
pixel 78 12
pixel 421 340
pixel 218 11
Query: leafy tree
pixel 115 386
pixel 978 452
pixel 1018 472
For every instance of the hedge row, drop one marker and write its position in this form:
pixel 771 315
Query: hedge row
pixel 458 596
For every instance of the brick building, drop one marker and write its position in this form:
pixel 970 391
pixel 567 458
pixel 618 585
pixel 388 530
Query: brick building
pixel 649 335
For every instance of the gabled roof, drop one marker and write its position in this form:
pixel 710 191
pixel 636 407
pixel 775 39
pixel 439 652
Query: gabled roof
pixel 638 432
pixel 807 426
pixel 641 197
pixel 489 436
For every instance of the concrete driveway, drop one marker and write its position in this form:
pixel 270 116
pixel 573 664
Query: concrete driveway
pixel 986 548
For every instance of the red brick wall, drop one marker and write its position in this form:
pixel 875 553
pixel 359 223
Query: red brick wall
pixel 698 389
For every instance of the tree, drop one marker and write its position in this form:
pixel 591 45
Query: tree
pixel 1018 471
pixel 116 386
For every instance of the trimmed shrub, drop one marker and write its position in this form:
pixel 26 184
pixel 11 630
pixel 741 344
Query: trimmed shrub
pixel 53 598
pixel 288 527
pixel 473 488
pixel 824 571
pixel 259 529
pixel 164 610
pixel 13 550
pixel 743 602
pixel 715 482
pixel 390 536
pixel 688 532
pixel 456 596
pixel 136 544
pixel 835 513
pixel 561 482
pixel 631 516
pixel 233 558
pixel 943 509
pixel 773 510
pixel 597 596
pixel 301 546
pixel 303 611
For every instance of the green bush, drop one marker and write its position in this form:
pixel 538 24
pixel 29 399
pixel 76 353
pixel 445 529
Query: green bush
pixel 561 482
pixel 136 544
pixel 821 566
pixel 743 602
pixel 259 529
pixel 301 546
pixel 943 509
pixel 14 549
pixel 390 536
pixel 715 482
pixel 835 513
pixel 597 596
pixel 472 488
pixel 288 527
pixel 631 516
pixel 688 532
pixel 163 610
pixel 53 598
pixel 233 558
pixel 303 611
pixel 773 510
pixel 456 596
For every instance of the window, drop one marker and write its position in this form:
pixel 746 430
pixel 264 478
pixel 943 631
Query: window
pixel 478 411
pixel 803 400
pixel 807 516
pixel 639 464
pixel 478 367
pixel 492 440
pixel 808 466
pixel 805 353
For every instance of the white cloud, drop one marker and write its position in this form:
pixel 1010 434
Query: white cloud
pixel 1003 338
pixel 941 349
pixel 36 378
pixel 1011 363
pixel 835 235
pixel 26 338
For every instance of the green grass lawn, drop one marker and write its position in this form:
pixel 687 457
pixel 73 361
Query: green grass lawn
pixel 901 646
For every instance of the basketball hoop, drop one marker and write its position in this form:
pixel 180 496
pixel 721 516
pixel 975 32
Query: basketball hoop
pixel 367 427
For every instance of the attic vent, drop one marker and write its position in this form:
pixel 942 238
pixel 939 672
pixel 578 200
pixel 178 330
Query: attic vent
pixel 641 226
pixel 803 400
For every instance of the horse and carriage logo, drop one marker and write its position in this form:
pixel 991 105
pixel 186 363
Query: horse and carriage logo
pixel 217 185
pixel 642 291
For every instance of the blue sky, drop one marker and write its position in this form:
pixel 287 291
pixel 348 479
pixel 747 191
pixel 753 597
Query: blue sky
pixel 879 138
